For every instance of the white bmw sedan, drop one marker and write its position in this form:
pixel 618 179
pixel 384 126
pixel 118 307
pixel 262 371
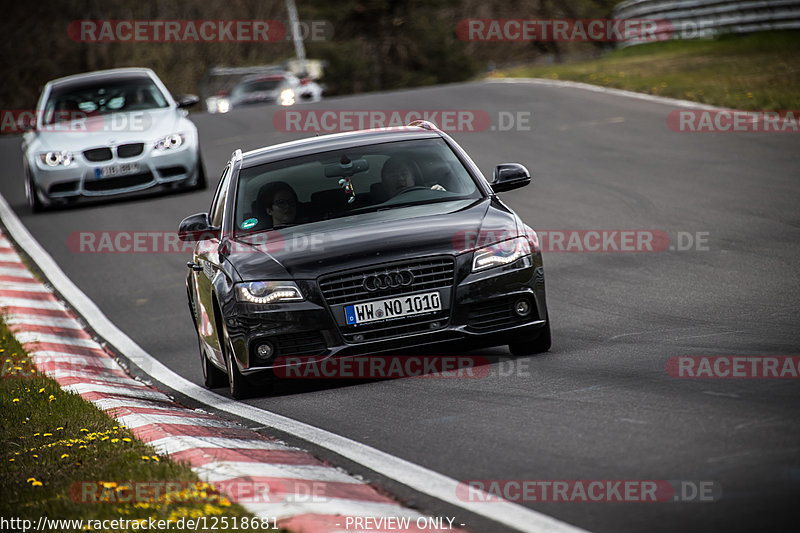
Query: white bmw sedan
pixel 107 133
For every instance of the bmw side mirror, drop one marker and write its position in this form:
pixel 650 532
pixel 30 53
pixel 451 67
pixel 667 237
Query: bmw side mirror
pixel 196 228
pixel 187 100
pixel 509 176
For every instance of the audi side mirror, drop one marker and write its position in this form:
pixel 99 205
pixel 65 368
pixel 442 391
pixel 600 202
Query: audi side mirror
pixel 197 228
pixel 509 176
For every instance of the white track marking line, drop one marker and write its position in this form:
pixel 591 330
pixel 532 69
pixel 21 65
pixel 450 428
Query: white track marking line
pixel 181 443
pixel 217 471
pixel 32 303
pixel 48 356
pixel 36 320
pixel 17 272
pixel 419 478
pixel 332 506
pixel 605 90
pixel 24 287
pixel 30 337
pixel 137 420
pixel 84 388
pixel 10 257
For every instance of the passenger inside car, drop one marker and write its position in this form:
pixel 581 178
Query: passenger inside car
pixel 279 200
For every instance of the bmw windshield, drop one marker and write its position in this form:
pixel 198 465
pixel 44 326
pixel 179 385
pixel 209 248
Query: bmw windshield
pixel 350 182
pixel 102 98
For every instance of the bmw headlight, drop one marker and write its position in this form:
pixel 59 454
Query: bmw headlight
pixel 287 97
pixel 54 159
pixel 170 142
pixel 501 253
pixel 268 292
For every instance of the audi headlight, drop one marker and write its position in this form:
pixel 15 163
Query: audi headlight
pixel 170 142
pixel 501 253
pixel 268 292
pixel 54 159
pixel 287 97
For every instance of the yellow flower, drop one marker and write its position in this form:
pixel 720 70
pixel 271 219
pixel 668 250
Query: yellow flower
pixel 114 440
pixel 64 456
pixel 15 400
pixel 145 458
pixel 84 430
pixel 82 446
pixel 30 479
pixel 47 435
pixel 41 390
pixel 51 398
pixel 156 459
pixel 36 484
pixel 126 439
pixel 11 460
pixel 59 428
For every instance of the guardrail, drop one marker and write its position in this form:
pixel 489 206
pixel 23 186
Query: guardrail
pixel 690 19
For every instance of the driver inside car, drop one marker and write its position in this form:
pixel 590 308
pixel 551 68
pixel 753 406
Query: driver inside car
pixel 398 175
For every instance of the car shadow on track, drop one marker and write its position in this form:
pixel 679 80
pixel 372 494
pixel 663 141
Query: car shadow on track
pixel 447 364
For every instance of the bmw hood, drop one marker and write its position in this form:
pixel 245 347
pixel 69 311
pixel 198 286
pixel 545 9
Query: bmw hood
pixel 310 250
pixel 117 128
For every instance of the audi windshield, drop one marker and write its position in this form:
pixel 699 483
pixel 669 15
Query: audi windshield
pixel 350 182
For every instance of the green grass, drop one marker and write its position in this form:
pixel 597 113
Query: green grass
pixel 52 440
pixel 755 72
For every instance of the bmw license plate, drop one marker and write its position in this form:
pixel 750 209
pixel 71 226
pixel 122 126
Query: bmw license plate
pixel 113 171
pixel 415 304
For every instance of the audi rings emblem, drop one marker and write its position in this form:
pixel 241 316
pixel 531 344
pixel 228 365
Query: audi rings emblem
pixel 388 280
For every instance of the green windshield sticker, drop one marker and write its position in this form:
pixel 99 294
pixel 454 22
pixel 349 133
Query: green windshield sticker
pixel 249 223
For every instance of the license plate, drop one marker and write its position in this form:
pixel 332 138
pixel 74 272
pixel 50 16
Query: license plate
pixel 415 304
pixel 112 171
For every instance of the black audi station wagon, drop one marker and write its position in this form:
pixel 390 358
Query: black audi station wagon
pixel 358 244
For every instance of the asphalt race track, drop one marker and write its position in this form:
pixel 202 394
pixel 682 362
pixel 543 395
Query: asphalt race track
pixel 600 405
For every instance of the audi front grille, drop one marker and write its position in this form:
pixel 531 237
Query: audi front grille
pixel 392 279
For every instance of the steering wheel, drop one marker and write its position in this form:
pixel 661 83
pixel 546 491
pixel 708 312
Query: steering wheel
pixel 414 188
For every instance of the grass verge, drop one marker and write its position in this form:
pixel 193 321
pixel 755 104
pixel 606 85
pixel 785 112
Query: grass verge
pixel 65 459
pixel 760 71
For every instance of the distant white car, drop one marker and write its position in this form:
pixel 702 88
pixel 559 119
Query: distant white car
pixel 106 133
pixel 282 88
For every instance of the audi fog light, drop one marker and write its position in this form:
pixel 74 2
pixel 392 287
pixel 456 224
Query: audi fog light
pixel 501 253
pixel 522 308
pixel 265 351
pixel 268 292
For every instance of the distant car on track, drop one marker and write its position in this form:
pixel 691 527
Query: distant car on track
pixel 106 133
pixel 282 88
pixel 309 249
